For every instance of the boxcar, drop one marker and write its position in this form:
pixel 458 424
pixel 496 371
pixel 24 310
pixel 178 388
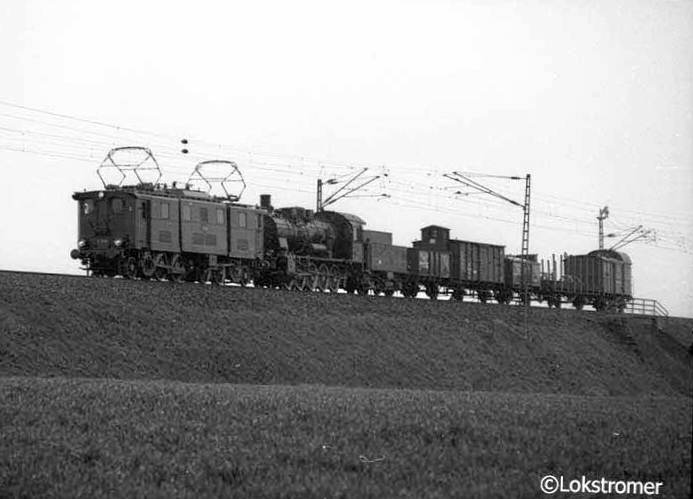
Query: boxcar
pixel 601 272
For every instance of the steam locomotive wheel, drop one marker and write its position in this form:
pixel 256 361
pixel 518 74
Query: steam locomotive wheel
pixel 291 284
pixel 333 279
pixel 323 278
pixel 160 272
pixel 177 272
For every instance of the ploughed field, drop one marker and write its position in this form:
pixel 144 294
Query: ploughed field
pixel 115 388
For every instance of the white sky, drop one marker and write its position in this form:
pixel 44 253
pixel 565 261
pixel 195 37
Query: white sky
pixel 594 99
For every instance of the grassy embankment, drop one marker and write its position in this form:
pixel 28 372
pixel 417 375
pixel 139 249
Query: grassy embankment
pixel 53 326
pixel 506 421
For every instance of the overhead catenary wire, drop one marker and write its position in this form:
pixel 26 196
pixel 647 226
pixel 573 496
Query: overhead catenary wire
pixel 83 138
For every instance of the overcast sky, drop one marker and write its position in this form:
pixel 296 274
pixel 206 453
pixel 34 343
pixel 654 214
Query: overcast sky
pixel 594 99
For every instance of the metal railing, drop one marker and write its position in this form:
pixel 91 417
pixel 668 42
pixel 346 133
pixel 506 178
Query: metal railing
pixel 643 306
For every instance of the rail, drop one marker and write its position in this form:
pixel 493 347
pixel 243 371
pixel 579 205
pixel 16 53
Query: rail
pixel 643 306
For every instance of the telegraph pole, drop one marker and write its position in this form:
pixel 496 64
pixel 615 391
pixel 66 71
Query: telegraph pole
pixel 525 244
pixel 318 206
pixel 465 180
pixel 603 215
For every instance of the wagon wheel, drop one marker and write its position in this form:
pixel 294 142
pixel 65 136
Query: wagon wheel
pixel 244 276
pixel 350 285
pixel 147 264
pixel 389 292
pixel 130 268
pixel 599 304
pixel 457 294
pixel 177 272
pixel 579 302
pixel 333 279
pixel 432 291
pixel 161 271
pixel 557 301
pixel 362 287
pixel 483 296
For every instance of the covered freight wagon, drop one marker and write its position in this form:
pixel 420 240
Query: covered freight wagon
pixel 477 263
pixel 513 273
pixel 429 263
pixel 600 272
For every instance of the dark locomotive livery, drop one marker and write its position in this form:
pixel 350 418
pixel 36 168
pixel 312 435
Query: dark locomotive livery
pixel 153 231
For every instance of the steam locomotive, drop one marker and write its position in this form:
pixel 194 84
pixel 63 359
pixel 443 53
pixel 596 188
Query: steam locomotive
pixel 153 231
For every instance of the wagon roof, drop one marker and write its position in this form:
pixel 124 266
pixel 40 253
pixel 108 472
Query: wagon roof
pixel 616 255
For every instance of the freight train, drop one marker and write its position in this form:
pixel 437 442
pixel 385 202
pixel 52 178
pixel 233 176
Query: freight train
pixel 153 231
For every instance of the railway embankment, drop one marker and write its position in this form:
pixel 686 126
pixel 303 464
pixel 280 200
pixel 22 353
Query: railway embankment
pixel 112 328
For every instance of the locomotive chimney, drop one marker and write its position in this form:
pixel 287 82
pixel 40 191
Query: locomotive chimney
pixel 266 201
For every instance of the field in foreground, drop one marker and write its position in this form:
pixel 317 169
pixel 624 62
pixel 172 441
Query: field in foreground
pixel 105 438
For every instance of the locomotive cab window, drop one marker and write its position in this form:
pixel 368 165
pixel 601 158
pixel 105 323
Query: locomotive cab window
pixel 187 213
pixel 242 219
pixel 116 205
pixel 220 216
pixel 204 216
pixel 165 211
pixel 88 206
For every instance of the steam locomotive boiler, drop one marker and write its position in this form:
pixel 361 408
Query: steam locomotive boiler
pixel 309 250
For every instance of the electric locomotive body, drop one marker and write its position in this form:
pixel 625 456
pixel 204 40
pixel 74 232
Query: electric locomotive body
pixel 167 233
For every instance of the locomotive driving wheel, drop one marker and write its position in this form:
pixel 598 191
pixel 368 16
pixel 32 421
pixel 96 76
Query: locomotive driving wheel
pixel 129 270
pixel 218 276
pixel 147 265
pixel 177 272
pixel 161 272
